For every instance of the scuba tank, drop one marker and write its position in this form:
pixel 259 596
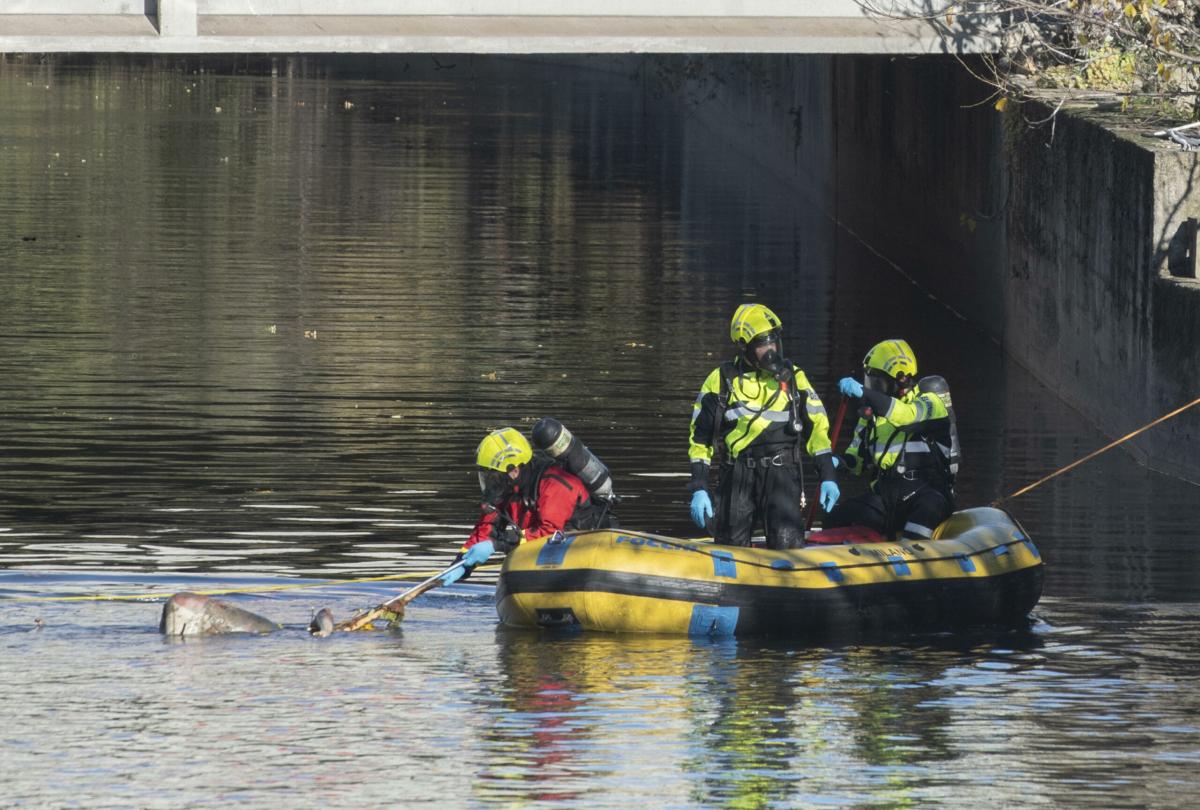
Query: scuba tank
pixel 935 384
pixel 551 437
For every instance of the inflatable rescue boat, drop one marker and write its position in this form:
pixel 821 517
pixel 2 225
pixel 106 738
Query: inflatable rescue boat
pixel 980 570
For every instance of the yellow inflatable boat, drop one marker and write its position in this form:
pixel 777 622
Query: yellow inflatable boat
pixel 979 570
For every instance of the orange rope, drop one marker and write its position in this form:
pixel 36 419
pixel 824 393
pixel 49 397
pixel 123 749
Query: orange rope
pixel 1092 455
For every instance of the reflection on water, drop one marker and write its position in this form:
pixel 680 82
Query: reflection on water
pixel 455 711
pixel 258 323
pixel 252 328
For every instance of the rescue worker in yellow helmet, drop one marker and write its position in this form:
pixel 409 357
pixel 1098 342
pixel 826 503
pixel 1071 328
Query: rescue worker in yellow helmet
pixel 902 443
pixel 526 496
pixel 751 417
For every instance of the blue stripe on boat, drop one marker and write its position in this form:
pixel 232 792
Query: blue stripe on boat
pixel 723 564
pixel 710 620
pixel 1032 548
pixel 1000 551
pixel 553 551
pixel 899 566
pixel 832 571
pixel 965 562
pixel 783 565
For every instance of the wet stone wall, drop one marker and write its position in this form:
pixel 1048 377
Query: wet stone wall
pixel 1062 237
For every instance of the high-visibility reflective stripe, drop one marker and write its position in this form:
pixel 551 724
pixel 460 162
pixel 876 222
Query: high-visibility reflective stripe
pixel 917 528
pixel 739 325
pixel 814 409
pixel 908 447
pixel 733 414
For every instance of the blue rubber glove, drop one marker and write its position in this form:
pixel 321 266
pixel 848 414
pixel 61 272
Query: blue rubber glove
pixel 478 553
pixel 453 576
pixel 829 495
pixel 701 507
pixel 475 555
pixel 850 387
pixel 836 461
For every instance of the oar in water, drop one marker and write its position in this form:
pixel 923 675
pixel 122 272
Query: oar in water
pixel 393 611
pixel 833 437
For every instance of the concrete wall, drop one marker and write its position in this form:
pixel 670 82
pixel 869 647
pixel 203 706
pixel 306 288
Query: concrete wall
pixel 1052 239
pixel 1089 306
pixel 1080 238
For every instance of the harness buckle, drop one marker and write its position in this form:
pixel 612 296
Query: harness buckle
pixel 776 460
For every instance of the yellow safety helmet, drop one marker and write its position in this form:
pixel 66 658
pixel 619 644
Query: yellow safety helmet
pixel 894 360
pixel 503 449
pixel 751 321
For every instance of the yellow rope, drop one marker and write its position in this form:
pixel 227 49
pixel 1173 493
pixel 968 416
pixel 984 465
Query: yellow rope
pixel 1092 455
pixel 158 595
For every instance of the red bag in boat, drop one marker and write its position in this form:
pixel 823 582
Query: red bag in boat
pixel 844 535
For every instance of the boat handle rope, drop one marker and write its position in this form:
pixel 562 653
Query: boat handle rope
pixel 1095 453
pixel 158 596
pixel 813 568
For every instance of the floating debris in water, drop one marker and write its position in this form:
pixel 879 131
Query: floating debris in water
pixel 192 614
pixel 322 623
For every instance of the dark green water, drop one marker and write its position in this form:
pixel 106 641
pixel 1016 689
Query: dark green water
pixel 252 328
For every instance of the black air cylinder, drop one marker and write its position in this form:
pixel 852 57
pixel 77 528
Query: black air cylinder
pixel 936 384
pixel 550 436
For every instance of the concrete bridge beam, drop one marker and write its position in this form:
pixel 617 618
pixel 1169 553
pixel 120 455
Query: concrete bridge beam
pixel 480 26
pixel 178 18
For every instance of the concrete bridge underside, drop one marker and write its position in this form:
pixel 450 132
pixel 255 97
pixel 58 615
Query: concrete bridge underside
pixel 479 26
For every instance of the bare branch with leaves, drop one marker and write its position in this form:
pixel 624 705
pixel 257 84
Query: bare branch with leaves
pixel 1135 51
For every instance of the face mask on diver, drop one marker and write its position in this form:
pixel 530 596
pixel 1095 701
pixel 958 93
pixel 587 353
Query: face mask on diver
pixel 769 341
pixel 876 380
pixel 494 485
pixel 774 364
